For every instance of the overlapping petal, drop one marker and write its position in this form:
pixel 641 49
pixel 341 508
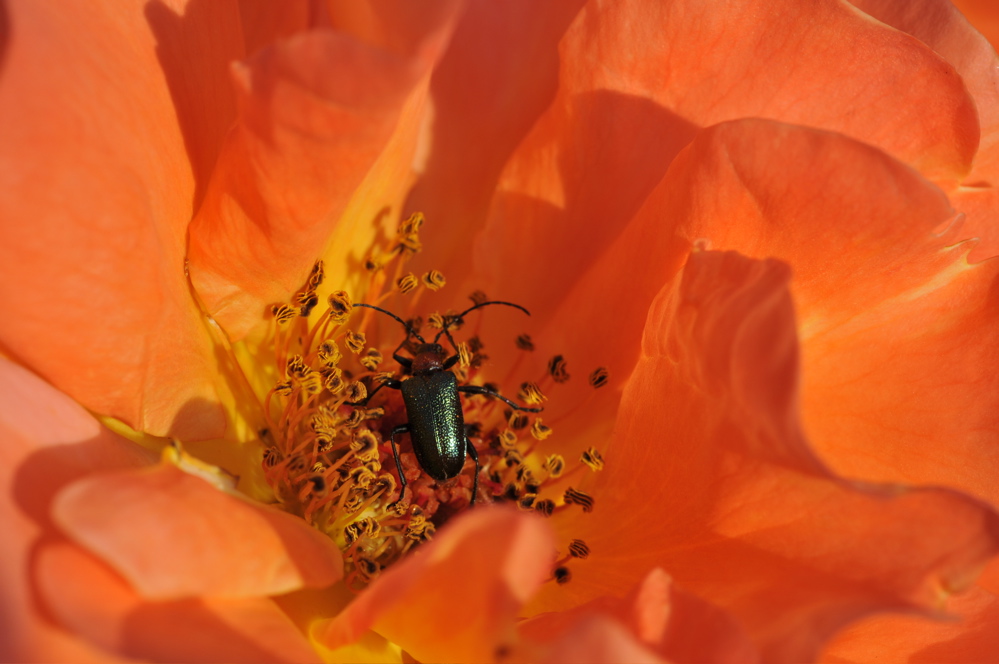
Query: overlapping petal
pixel 316 112
pixel 455 599
pixel 108 127
pixel 173 535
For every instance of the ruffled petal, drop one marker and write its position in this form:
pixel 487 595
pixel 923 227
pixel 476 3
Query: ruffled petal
pixel 984 15
pixel 173 535
pixel 939 25
pixel 742 513
pixel 457 597
pixel 46 441
pixel 677 626
pixel 315 113
pixel 87 598
pixel 92 252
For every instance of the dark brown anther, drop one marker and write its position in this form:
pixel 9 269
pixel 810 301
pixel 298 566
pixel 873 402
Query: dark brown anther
pixel 545 507
pixel 307 302
pixel 579 549
pixel 524 342
pixel 591 457
pixel 562 575
pixel 527 502
pixel 478 297
pixel 283 313
pixel 558 369
pixel 355 341
pixel 576 497
pixel 340 305
pixel 599 377
pixel 517 420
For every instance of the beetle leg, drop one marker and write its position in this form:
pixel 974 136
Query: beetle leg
pixel 392 382
pixel 475 480
pixel 401 429
pixel 478 389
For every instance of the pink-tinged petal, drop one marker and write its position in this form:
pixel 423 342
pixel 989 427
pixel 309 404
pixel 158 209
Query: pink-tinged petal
pixel 46 441
pixel 315 113
pixel 743 514
pixel 106 176
pixel 677 626
pixel 939 25
pixel 87 598
pixel 456 598
pixel 498 75
pixel 173 535
pixel 967 634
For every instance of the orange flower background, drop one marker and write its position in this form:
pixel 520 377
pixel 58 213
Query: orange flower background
pixel 773 222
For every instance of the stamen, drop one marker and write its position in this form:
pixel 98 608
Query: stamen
pixel 529 393
pixel 539 430
pixel 283 313
pixel 599 377
pixel 576 497
pixel 355 341
pixel 579 549
pixel 478 297
pixel 558 370
pixel 554 464
pixel 434 280
pixel 562 575
pixel 524 342
pixel 591 457
pixel 407 283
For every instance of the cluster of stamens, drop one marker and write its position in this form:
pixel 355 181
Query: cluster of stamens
pixel 327 455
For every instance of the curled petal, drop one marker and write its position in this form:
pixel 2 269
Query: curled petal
pixel 173 535
pixel 315 113
pixel 456 598
pixel 745 516
pixel 88 599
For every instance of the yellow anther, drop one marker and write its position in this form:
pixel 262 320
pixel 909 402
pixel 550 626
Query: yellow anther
pixel 356 391
pixel 283 388
pixel 599 377
pixel 555 464
pixel 311 382
pixel 435 320
pixel 340 306
pixel 464 355
pixel 365 445
pixel 591 457
pixel 517 421
pixel 334 381
pixel 316 276
pixel 408 233
pixel 283 313
pixel 307 302
pixel 530 394
pixel 407 283
pixel 508 439
pixel 539 430
pixel 372 358
pixel 328 353
pixel 355 341
pixel 434 280
pixel 296 367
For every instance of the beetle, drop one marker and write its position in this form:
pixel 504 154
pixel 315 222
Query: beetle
pixel 436 423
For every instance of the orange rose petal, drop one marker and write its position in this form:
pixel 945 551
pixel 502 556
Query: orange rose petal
pixel 454 599
pixel 946 31
pixel 596 639
pixel 46 441
pixel 674 624
pixel 980 205
pixel 984 15
pixel 173 535
pixel 316 111
pixel 106 176
pixel 710 477
pixel 85 597
pixel 264 22
pixel 967 634
pixel 484 105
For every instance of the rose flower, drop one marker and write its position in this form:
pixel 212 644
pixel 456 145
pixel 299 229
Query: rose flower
pixel 751 417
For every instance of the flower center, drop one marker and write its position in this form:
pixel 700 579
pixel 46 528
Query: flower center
pixel 336 439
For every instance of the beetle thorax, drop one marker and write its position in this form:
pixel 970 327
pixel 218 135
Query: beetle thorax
pixel 428 359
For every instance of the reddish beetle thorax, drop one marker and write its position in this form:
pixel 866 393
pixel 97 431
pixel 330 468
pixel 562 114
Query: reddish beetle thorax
pixel 428 358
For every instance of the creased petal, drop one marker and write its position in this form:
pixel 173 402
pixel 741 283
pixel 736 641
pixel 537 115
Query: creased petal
pixel 173 535
pixel 938 24
pixel 92 251
pixel 744 515
pixel 87 598
pixel 315 112
pixel 476 574
pixel 676 625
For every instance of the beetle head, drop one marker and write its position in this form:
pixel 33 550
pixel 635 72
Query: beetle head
pixel 428 358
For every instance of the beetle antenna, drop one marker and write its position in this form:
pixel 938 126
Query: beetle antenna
pixel 409 330
pixel 454 319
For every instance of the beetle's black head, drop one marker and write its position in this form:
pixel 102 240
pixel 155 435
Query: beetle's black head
pixel 428 358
